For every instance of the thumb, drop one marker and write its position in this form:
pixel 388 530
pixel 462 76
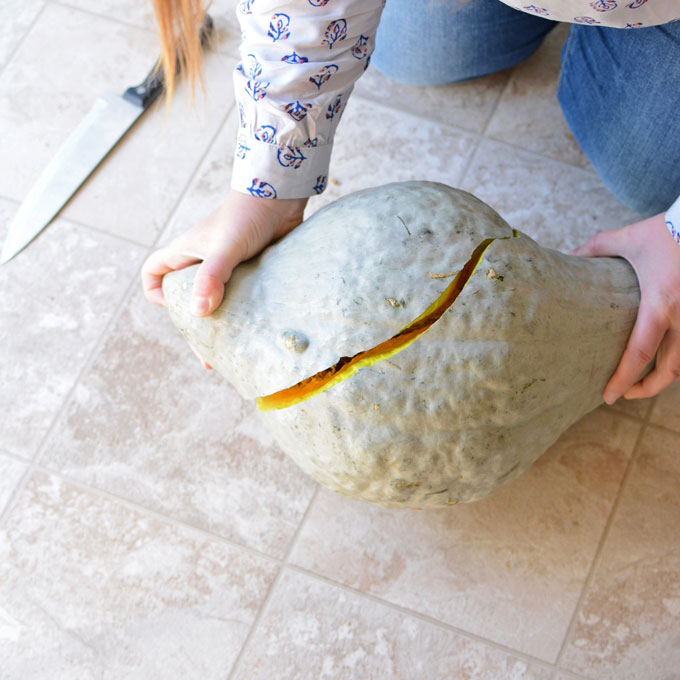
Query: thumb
pixel 602 244
pixel 209 282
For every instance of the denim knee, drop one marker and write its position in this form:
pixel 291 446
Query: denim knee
pixel 430 42
pixel 618 92
pixel 645 198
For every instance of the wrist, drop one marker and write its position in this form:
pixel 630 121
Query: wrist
pixel 277 215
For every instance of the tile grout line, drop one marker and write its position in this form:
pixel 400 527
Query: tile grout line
pixel 412 613
pixel 89 361
pixel 597 558
pixel 23 38
pixel 101 15
pixel 143 510
pixel 84 225
pixel 270 593
pixel 39 450
pixel 482 135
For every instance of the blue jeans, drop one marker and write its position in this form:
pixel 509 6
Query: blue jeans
pixel 619 89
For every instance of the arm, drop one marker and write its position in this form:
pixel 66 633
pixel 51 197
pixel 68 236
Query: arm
pixel 299 62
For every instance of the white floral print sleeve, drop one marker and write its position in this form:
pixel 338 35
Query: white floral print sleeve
pixel 299 62
pixel 612 13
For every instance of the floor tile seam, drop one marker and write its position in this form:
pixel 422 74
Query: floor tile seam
pixel 448 126
pixel 598 554
pixel 628 417
pixel 664 428
pixel 14 456
pixel 124 300
pixel 18 487
pixel 586 172
pixel 185 527
pixel 482 135
pixel 421 117
pixel 477 138
pixel 27 32
pixel 588 168
pixel 412 613
pixel 98 343
pixel 227 51
pixel 42 445
pixel 85 225
pixel 104 232
pixel 101 15
pixel 272 589
pixel 187 187
pixel 87 364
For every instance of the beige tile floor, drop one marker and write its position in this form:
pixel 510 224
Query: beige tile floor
pixel 149 527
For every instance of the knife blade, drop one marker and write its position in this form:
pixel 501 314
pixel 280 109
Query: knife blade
pixel 97 134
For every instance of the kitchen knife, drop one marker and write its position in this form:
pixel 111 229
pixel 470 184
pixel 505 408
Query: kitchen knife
pixel 101 129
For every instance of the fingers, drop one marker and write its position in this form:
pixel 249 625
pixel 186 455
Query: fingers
pixel 156 266
pixel 209 281
pixel 602 244
pixel 647 335
pixel 666 371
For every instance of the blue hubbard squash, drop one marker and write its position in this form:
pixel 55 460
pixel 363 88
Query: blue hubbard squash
pixel 407 348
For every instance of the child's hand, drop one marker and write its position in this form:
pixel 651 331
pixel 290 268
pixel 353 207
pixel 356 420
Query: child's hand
pixel 239 229
pixel 655 256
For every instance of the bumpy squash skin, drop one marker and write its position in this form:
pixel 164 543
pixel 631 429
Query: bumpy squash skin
pixel 524 352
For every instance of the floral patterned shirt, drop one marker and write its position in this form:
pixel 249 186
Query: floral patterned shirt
pixel 301 58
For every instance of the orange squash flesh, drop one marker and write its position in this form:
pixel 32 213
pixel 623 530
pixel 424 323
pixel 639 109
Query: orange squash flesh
pixel 346 367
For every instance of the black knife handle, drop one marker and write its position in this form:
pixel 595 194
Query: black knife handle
pixel 151 88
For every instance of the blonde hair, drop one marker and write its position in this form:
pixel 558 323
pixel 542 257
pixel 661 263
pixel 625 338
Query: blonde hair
pixel 179 24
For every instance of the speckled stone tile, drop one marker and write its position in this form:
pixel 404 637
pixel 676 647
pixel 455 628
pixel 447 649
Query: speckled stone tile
pixel 467 105
pixel 11 472
pixel 16 16
pixel 666 410
pixel 509 568
pixel 417 150
pixel 148 423
pixel 43 98
pixel 58 295
pixel 557 205
pixel 628 627
pixel 311 629
pixel 90 589
pixel 529 115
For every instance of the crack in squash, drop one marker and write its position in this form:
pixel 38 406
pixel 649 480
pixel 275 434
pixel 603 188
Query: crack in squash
pixel 346 367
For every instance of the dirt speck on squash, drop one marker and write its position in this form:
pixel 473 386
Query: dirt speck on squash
pixel 295 341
